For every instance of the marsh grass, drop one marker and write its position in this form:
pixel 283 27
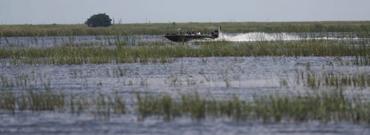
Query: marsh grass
pixel 48 100
pixel 22 81
pixel 8 101
pixel 360 28
pixel 160 106
pixel 164 53
pixel 329 79
pixel 30 100
pixel 362 60
pixel 323 107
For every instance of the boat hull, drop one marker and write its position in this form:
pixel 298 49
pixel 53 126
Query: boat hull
pixel 186 38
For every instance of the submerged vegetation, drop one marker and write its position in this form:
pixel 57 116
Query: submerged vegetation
pixel 360 28
pixel 161 52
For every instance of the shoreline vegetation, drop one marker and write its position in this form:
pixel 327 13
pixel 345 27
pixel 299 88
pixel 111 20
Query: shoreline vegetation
pixel 324 106
pixel 361 28
pixel 161 52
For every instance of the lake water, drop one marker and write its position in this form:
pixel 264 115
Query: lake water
pixel 218 76
pixel 66 124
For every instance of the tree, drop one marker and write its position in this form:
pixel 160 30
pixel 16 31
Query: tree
pixel 99 20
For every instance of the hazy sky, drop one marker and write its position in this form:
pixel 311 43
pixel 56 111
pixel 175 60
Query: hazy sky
pixel 141 11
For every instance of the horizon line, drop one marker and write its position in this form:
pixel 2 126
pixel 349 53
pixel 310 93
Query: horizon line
pixel 183 22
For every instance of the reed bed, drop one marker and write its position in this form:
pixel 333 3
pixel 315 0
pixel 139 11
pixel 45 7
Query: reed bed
pixel 163 53
pixel 325 107
pixel 336 80
pixel 360 28
pixel 48 100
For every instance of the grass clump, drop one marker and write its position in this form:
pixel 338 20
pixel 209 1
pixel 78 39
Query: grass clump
pixel 32 101
pixel 41 101
pixel 48 100
pixel 156 106
pixel 321 107
pixel 8 101
pixel 316 80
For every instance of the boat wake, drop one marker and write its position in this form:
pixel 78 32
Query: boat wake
pixel 257 36
pixel 262 36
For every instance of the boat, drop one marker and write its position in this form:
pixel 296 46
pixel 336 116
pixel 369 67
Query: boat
pixel 188 36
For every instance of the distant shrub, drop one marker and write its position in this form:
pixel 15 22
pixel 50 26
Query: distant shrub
pixel 99 20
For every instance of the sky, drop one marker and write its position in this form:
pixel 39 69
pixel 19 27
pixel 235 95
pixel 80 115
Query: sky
pixel 155 11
